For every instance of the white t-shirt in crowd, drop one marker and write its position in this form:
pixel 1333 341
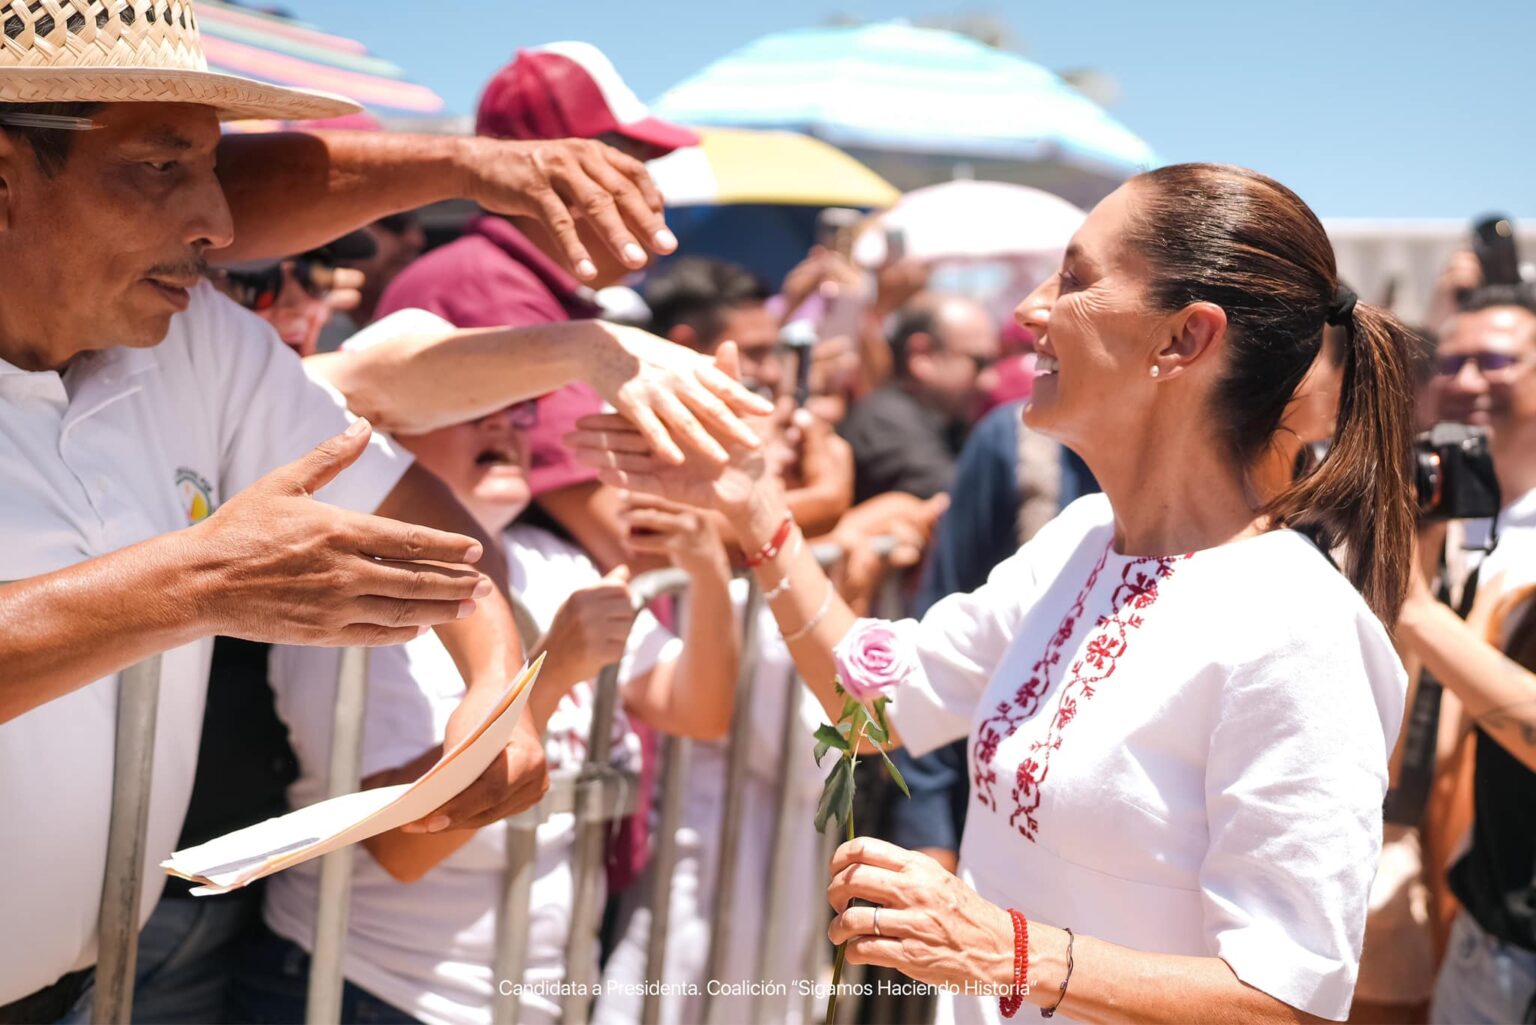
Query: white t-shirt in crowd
pixel 1183 755
pixel 1512 563
pixel 124 445
pixel 798 901
pixel 428 947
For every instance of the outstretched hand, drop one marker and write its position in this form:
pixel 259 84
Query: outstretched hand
pixel 634 451
pixel 293 570
pixel 671 394
pixel 563 182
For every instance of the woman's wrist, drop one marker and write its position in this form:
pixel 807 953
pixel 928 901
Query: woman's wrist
pixel 1047 964
pixel 997 962
pixel 756 520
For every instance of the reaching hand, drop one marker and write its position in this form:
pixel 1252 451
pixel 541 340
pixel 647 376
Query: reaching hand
pixel 590 630
pixel 288 569
pixel 616 449
pixel 907 519
pixel 563 181
pixel 669 391
pixel 680 533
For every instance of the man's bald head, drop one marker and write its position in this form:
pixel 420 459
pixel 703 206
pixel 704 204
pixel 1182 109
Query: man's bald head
pixel 944 345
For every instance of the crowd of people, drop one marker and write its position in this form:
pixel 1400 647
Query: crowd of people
pixel 1211 700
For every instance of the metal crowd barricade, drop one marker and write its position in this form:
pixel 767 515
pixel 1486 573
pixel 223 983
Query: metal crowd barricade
pixel 597 795
pixel 325 972
pixel 117 927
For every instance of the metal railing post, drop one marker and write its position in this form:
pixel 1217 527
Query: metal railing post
pixel 588 861
pixel 117 926
pixel 325 966
pixel 778 880
pixel 512 921
pixel 522 842
pixel 735 780
pixel 674 767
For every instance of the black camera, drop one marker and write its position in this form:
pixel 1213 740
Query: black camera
pixel 1453 474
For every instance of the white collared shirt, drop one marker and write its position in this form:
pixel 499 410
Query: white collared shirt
pixel 124 445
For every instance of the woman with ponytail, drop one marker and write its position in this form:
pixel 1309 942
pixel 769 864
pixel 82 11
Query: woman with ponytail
pixel 1179 709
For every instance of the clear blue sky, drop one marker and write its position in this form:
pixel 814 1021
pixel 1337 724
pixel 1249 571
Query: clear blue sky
pixel 1410 108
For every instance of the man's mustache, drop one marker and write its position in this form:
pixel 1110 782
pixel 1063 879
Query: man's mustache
pixel 191 267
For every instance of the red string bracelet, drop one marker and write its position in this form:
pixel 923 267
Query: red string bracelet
pixel 1009 1005
pixel 774 545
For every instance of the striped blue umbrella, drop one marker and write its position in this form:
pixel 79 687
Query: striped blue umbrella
pixel 930 99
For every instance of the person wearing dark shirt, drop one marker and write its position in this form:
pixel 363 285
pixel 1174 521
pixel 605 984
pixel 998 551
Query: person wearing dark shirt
pixel 907 434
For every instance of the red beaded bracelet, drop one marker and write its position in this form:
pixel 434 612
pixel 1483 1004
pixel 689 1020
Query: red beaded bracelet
pixel 1009 1005
pixel 775 544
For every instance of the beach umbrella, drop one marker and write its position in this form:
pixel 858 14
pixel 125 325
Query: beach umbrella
pixel 973 220
pixel 917 106
pixel 272 47
pixel 740 166
pixel 753 197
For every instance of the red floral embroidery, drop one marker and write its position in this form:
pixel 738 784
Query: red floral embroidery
pixel 1106 643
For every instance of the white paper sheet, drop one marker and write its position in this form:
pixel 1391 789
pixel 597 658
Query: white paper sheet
pixel 239 858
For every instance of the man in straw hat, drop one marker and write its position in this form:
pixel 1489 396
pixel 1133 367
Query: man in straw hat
pixel 161 457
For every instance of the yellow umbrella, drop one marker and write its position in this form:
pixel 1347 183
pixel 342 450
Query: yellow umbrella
pixel 738 165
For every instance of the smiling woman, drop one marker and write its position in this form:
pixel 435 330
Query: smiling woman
pixel 1179 711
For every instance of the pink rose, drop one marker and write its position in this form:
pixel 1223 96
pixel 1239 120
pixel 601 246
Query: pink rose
pixel 872 658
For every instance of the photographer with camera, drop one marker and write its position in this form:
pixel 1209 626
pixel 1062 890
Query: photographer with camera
pixel 1483 378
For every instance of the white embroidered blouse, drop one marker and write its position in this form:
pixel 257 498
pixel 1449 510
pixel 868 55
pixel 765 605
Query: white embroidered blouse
pixel 1183 755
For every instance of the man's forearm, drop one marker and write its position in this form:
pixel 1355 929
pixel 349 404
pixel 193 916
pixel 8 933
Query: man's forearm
pixel 1498 693
pixel 63 630
pixel 293 191
pixel 484 645
pixel 419 383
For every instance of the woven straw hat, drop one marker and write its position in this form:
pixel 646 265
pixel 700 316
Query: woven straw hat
pixel 132 51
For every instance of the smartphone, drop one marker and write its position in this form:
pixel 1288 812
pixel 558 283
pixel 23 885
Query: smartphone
pixel 834 227
pixel 800 337
pixel 1493 240
pixel 895 245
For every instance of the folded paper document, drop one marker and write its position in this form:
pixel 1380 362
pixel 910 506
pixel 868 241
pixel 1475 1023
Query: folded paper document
pixel 242 857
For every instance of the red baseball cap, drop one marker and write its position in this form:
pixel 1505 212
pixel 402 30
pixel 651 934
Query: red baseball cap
pixel 570 90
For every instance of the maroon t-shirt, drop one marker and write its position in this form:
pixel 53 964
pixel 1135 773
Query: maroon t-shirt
pixel 494 277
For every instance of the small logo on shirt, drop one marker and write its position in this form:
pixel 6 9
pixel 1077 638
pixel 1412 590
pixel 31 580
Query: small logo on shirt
pixel 196 494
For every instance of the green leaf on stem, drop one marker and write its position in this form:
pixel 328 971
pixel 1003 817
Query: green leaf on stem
pixel 828 737
pixel 895 774
pixel 837 795
pixel 879 706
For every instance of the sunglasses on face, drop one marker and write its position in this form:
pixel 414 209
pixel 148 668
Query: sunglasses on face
pixel 259 290
pixel 1487 363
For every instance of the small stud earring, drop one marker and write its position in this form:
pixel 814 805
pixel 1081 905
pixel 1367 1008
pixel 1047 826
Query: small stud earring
pixel 1156 370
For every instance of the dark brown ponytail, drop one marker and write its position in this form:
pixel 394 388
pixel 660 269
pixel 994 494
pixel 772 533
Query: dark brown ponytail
pixel 1360 496
pixel 1233 237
